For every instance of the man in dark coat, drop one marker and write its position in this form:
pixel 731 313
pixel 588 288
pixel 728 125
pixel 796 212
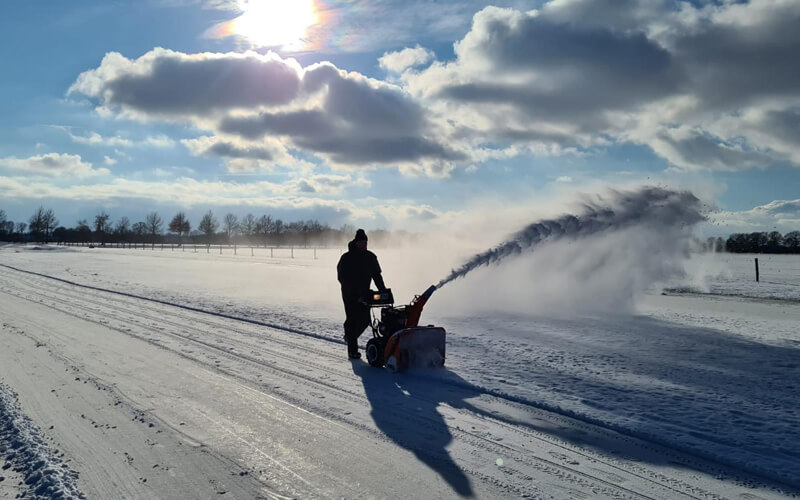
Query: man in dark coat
pixel 356 269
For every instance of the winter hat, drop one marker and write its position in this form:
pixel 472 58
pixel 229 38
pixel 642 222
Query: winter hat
pixel 360 236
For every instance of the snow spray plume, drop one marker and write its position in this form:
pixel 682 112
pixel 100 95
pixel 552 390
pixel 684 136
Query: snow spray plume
pixel 652 206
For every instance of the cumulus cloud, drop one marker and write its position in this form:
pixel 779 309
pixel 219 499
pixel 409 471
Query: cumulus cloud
pixel 345 118
pixel 579 73
pixel 167 83
pixel 327 184
pixel 96 139
pixel 53 165
pixel 404 59
pixel 693 149
pixel 706 85
pixel 781 215
pixel 242 156
pixel 215 146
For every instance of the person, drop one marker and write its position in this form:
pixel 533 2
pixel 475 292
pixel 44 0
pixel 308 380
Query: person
pixel 356 269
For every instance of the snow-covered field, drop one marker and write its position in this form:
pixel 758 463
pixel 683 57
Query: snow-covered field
pixel 174 374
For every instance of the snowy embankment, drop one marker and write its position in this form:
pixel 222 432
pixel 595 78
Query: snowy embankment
pixel 27 453
pixel 714 377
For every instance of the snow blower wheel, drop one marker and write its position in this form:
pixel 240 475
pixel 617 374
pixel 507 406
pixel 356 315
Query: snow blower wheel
pixel 375 352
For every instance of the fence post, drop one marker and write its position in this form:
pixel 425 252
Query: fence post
pixel 293 252
pixel 315 253
pixel 251 251
pixel 234 249
pixel 270 252
pixel 220 249
pixel 756 269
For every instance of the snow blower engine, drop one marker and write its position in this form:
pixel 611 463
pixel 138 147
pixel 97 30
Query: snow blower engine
pixel 397 339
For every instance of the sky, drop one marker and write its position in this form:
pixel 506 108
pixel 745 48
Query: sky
pixel 420 114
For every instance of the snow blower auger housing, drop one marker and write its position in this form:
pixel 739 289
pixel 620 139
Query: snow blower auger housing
pixel 397 339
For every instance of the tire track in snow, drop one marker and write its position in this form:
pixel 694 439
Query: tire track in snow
pixel 644 474
pixel 234 357
pixel 478 441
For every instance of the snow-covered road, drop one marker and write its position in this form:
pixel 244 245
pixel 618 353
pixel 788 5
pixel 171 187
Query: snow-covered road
pixel 150 395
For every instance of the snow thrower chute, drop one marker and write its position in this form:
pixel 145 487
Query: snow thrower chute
pixel 397 339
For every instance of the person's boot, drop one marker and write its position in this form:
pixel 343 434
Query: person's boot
pixel 352 351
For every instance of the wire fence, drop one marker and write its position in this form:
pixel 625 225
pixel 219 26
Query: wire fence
pixel 778 269
pixel 274 252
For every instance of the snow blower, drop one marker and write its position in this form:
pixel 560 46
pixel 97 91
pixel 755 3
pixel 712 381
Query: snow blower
pixel 397 339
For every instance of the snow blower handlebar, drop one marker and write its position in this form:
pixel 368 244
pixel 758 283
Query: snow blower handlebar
pixel 415 308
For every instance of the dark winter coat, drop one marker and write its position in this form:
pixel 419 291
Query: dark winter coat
pixel 356 269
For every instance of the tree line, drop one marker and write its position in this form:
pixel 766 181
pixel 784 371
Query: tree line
pixel 43 226
pixel 763 242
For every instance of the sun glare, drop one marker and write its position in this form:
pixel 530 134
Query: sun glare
pixel 275 23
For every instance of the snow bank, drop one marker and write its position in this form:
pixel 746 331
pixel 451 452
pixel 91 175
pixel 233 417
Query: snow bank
pixel 24 448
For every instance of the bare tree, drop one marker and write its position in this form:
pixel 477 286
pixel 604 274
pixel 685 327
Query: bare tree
pixel 264 227
pixel 154 225
pixel 279 229
pixel 208 225
pixel 792 241
pixel 139 229
pixel 101 222
pixel 21 227
pixel 231 225
pixel 42 224
pixel 248 225
pixel 102 226
pixel 2 221
pixel 123 227
pixel 83 231
pixel 180 224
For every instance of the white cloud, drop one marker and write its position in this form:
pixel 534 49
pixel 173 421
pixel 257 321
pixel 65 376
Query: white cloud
pixel 564 179
pixel 109 161
pixel 95 139
pixel 402 60
pixel 53 165
pixel 343 117
pixel 578 74
pixel 117 141
pixel 327 184
pixel 707 86
pixel 777 215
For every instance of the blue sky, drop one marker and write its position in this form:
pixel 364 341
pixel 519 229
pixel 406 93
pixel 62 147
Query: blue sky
pixel 396 114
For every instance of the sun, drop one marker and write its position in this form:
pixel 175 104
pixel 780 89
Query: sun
pixel 275 23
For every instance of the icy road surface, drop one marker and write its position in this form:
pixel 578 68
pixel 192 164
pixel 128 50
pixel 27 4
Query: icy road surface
pixel 212 377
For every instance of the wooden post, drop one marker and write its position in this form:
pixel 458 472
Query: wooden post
pixel 220 249
pixel 251 251
pixel 293 252
pixel 270 252
pixel 234 249
pixel 756 269
pixel 315 253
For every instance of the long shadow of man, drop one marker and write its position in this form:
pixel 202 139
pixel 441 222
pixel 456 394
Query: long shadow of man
pixel 413 423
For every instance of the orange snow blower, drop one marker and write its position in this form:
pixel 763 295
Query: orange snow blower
pixel 397 339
